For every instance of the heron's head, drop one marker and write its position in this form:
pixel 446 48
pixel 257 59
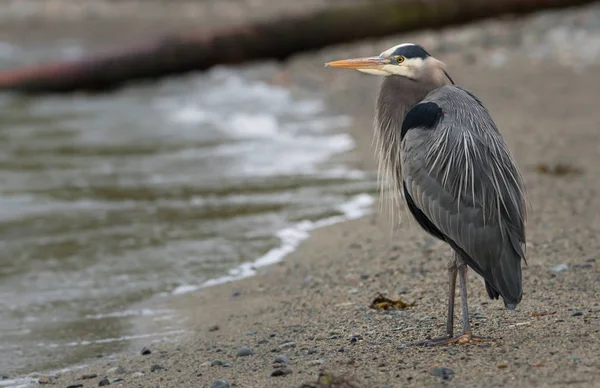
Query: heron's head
pixel 406 60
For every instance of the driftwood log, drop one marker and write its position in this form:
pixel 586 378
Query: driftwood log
pixel 276 39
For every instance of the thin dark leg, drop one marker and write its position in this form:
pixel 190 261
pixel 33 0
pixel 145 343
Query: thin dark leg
pixel 462 270
pixel 466 335
pixel 452 272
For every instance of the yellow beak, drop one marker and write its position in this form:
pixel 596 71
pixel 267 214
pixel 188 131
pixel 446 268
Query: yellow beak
pixel 358 63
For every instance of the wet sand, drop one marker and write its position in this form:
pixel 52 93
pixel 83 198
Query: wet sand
pixel 314 307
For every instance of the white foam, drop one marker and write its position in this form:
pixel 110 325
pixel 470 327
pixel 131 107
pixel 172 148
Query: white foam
pixel 290 238
pixel 109 340
pixel 129 313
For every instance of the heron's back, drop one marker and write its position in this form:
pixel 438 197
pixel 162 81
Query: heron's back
pixel 460 179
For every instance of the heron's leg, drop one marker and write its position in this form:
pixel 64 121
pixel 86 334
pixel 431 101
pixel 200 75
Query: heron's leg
pixel 466 335
pixel 452 272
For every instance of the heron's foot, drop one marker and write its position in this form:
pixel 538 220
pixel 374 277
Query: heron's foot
pixel 461 339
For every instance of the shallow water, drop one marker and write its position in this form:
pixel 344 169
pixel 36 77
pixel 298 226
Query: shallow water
pixel 108 200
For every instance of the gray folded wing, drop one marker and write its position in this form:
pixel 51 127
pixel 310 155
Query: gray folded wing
pixel 461 176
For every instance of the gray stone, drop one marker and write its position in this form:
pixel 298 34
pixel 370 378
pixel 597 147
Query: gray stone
pixel 219 384
pixel 281 360
pixel 442 371
pixel 244 351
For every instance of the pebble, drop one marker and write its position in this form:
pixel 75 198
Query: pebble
pixel 244 351
pixel 281 360
pixel 219 384
pixel 316 362
pixel 353 291
pixel 262 342
pixel 573 358
pixel 560 268
pixel 288 345
pixel 321 337
pixel 590 260
pixel 116 370
pixel 86 377
pixel 443 372
pixel 355 338
pixel 75 386
pixel 577 314
pixel 103 382
pixel 138 374
pixel 216 363
pixel 157 367
pixel 281 372
pixel 451 351
pixel 145 351
pixel 249 333
pixel 213 328
pixel 45 380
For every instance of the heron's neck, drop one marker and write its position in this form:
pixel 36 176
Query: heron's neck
pixel 397 95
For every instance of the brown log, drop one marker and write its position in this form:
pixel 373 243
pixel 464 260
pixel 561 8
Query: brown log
pixel 277 39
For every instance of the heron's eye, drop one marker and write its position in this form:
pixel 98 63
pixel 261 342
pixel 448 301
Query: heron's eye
pixel 400 59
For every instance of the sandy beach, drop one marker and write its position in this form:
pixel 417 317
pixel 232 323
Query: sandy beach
pixel 311 313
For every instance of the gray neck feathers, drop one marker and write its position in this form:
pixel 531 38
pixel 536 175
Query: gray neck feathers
pixel 397 95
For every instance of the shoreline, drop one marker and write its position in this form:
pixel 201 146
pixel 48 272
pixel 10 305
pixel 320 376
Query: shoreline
pixel 313 307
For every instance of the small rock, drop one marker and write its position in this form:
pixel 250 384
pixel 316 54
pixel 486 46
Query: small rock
pixel 502 366
pixel 45 380
pixel 586 266
pixel 213 328
pixel 226 365
pixel 216 363
pixel 249 333
pixel 103 382
pixel 156 367
pixel 590 260
pixel 316 362
pixel 573 358
pixel 244 351
pixel 353 291
pixel 288 345
pixel 442 371
pixel 137 374
pixel 219 384
pixel 559 268
pixel 281 360
pixel 577 314
pixel 145 351
pixel 313 351
pixel 115 380
pixel 281 372
pixel 341 350
pixel 86 377
pixel 355 338
pixel 236 293
pixel 320 337
pixel 116 370
pixel 451 351
pixel 364 276
pixel 75 386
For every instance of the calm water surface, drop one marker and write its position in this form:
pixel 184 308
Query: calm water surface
pixel 109 200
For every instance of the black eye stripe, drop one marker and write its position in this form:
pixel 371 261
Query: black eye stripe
pixel 413 51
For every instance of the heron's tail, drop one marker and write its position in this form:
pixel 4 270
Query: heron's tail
pixel 507 280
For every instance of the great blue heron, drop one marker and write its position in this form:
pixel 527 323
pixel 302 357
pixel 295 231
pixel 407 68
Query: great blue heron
pixel 437 143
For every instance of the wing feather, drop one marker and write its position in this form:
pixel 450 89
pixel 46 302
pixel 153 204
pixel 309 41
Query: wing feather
pixel 461 176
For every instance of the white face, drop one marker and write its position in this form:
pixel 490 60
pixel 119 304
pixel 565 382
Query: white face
pixel 410 67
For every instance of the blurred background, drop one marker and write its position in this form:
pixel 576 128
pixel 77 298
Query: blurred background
pixel 161 187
